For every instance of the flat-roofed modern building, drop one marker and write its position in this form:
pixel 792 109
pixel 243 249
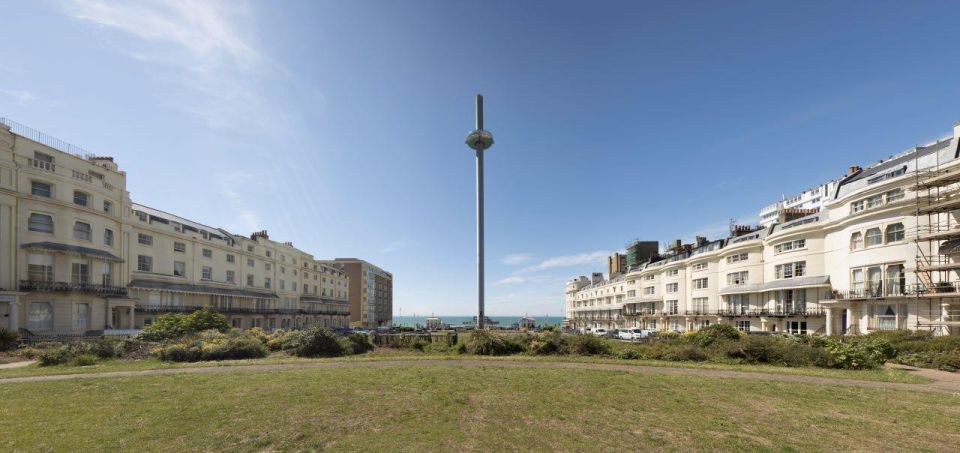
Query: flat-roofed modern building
pixel 371 292
pixel 79 257
pixel 880 252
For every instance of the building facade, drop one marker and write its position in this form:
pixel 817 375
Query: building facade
pixel 79 257
pixel 881 252
pixel 371 292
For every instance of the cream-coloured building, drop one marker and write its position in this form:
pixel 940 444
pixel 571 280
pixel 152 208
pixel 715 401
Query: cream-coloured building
pixel 79 257
pixel 881 252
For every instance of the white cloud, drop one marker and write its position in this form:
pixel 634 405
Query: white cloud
pixel 582 259
pixel 516 259
pixel 229 185
pixel 206 48
pixel 513 279
pixel 397 245
pixel 21 97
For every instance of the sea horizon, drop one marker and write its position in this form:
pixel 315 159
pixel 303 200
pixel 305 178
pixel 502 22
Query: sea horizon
pixel 453 320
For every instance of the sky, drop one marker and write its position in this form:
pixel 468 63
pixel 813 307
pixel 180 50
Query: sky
pixel 340 126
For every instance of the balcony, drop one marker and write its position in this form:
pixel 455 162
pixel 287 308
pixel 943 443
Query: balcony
pixel 883 291
pixel 741 312
pixel 66 287
pixel 148 308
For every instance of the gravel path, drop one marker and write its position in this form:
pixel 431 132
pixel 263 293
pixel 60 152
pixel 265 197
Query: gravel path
pixel 943 382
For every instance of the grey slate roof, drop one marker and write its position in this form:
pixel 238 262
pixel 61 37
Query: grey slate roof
pixel 191 288
pixel 76 249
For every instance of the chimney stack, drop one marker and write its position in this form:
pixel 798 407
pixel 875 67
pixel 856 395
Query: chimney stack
pixel 854 169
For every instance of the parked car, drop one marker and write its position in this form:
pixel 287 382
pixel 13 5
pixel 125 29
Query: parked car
pixel 613 333
pixel 625 334
pixel 599 331
pixel 637 333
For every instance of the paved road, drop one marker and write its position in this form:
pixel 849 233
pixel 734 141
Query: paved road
pixel 943 382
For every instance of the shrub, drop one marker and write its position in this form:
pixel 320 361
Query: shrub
pixel 854 355
pixel 57 355
pixel 8 339
pixel 588 345
pixel 484 342
pixel 629 354
pixel 283 340
pixel 213 345
pixel 547 343
pixel 104 348
pixel 84 360
pixel 776 351
pixel 175 325
pixel 716 332
pixel 320 341
pixel 360 343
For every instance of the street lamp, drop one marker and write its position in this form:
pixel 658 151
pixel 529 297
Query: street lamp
pixel 479 140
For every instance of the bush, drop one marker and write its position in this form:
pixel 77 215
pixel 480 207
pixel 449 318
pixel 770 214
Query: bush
pixel 360 343
pixel 856 355
pixel 283 340
pixel 57 355
pixel 775 351
pixel 84 360
pixel 484 342
pixel 171 326
pixel 547 343
pixel 8 339
pixel 716 332
pixel 629 354
pixel 320 341
pixel 213 345
pixel 588 345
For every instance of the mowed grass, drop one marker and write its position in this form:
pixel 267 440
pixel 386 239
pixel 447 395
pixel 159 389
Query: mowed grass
pixel 883 375
pixel 418 408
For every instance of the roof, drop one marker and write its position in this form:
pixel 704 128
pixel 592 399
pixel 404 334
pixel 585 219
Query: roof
pixel 321 299
pixel 73 249
pixel 191 288
pixel 949 247
pixel 786 283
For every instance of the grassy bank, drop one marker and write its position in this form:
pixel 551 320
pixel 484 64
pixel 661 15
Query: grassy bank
pixel 416 408
pixel 884 375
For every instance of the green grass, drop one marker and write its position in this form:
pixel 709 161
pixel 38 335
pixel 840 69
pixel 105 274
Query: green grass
pixel 884 375
pixel 419 408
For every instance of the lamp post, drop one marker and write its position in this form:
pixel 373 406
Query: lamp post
pixel 479 140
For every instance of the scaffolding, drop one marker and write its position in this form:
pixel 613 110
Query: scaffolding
pixel 937 237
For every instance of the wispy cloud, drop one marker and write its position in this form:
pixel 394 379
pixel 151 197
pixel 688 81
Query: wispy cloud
pixel 516 259
pixel 207 48
pixel 230 185
pixel 19 96
pixel 534 272
pixel 397 245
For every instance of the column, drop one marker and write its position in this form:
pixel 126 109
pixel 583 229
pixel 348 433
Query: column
pixel 133 323
pixel 763 324
pixel 850 321
pixel 828 328
pixel 14 316
pixel 945 312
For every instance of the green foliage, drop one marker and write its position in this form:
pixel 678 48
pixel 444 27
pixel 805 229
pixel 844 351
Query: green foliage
pixel 8 339
pixel 485 342
pixel 629 354
pixel 775 351
pixel 57 355
pixel 716 332
pixel 171 326
pixel 857 355
pixel 359 343
pixel 213 345
pixel 320 341
pixel 547 343
pixel 588 345
pixel 85 360
pixel 281 340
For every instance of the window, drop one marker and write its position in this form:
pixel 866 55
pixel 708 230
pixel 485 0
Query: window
pixel 790 245
pixel 107 206
pixel 249 262
pixel 79 273
pixel 701 304
pixel 41 189
pixel 283 284
pixel 894 195
pixel 106 274
pixel 179 247
pixel 894 232
pixel 797 327
pixel 81 198
pixel 790 270
pixel 857 206
pixel 856 241
pixel 700 266
pixel 82 231
pixel 231 258
pixel 874 201
pixel 249 280
pixel 873 237
pixel 179 269
pixel 673 287
pixel 40 268
pixel 283 270
pixel 649 277
pixel 700 283
pixel 856 281
pixel 266 282
pixel 743 326
pixel 231 277
pixel 267 266
pixel 144 239
pixel 738 303
pixel 649 290
pixel 108 237
pixel 737 258
pixel 672 307
pixel 250 248
pixel 703 323
pixel 206 273
pixel 41 223
pixel 896 280
pixel 144 263
pixel 40 316
pixel 207 253
pixel 673 272
pixel 269 254
pixel 737 278
pixel 81 316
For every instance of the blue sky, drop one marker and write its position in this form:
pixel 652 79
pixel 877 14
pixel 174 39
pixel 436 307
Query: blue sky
pixel 339 125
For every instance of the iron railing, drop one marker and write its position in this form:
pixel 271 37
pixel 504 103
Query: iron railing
pixel 67 287
pixel 48 140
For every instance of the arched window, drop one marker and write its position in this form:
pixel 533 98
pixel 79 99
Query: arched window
pixel 895 232
pixel 856 241
pixel 40 316
pixel 874 237
pixel 40 222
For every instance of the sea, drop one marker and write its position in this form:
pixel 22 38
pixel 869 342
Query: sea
pixel 504 321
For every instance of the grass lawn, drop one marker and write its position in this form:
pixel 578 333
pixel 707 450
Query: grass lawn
pixel 448 408
pixel 886 375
